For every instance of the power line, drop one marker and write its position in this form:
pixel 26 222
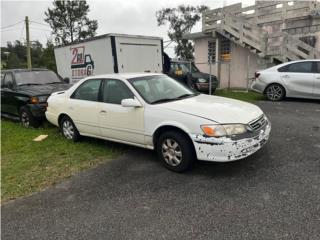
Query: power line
pixel 9 26
pixel 47 25
pixel 8 30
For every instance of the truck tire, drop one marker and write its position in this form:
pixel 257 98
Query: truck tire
pixel 27 119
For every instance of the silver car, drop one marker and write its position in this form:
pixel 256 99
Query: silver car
pixel 298 79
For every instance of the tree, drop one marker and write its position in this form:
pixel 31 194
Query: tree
pixel 14 55
pixel 13 61
pixel 47 58
pixel 181 20
pixel 69 21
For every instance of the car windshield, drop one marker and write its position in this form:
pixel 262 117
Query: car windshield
pixel 160 88
pixel 36 77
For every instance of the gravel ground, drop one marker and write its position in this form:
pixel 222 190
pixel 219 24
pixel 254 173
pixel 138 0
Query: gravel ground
pixel 274 194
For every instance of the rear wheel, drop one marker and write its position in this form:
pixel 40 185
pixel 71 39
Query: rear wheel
pixel 27 119
pixel 68 129
pixel 175 151
pixel 275 92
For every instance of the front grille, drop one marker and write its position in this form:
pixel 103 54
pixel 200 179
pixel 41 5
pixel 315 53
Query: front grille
pixel 258 123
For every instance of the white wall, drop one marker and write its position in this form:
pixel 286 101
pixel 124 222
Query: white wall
pixel 238 64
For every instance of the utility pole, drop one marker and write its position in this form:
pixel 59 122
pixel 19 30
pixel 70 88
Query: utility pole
pixel 28 43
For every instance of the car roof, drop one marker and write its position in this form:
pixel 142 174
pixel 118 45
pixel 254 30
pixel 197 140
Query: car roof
pixel 24 70
pixel 125 75
pixel 287 63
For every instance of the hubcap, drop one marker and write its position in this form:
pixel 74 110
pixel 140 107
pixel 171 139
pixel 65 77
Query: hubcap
pixel 274 92
pixel 67 129
pixel 25 119
pixel 171 152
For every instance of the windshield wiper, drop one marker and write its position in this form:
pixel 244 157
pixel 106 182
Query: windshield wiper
pixel 187 95
pixel 26 84
pixel 54 82
pixel 163 100
pixel 173 99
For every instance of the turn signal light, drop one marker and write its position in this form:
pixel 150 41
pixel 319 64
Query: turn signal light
pixel 34 100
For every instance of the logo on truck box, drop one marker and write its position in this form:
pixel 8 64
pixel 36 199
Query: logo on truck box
pixel 82 64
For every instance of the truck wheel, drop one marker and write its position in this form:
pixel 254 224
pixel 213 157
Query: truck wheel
pixel 68 129
pixel 175 151
pixel 27 119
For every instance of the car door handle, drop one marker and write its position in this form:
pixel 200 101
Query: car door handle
pixel 285 76
pixel 318 77
pixel 103 111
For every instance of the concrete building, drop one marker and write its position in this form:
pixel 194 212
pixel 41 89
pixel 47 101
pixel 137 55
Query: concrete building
pixel 241 40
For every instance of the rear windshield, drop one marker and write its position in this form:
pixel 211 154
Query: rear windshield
pixel 36 77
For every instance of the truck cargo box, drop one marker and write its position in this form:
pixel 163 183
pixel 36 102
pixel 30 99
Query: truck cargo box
pixel 110 53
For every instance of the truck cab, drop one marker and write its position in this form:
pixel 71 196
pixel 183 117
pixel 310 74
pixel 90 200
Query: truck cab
pixel 187 73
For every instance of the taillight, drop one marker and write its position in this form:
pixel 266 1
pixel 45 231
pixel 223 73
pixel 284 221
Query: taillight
pixel 256 74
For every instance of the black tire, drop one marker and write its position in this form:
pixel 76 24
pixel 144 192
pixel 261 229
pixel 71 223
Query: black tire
pixel 185 147
pixel 275 92
pixel 68 129
pixel 27 119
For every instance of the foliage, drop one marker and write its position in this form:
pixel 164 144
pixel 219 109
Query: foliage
pixel 29 166
pixel 69 21
pixel 15 55
pixel 249 96
pixel 181 20
pixel 47 57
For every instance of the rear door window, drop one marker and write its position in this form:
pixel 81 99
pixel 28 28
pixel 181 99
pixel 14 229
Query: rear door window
pixel 89 90
pixel 301 67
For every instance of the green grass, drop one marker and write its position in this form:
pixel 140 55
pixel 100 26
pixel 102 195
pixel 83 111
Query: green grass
pixel 244 96
pixel 28 166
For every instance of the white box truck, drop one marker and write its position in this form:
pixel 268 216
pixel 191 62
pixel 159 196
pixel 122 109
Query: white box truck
pixel 110 53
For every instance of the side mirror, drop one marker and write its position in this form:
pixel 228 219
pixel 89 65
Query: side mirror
pixel 130 102
pixel 66 80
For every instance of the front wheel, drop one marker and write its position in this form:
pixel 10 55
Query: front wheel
pixel 68 129
pixel 27 119
pixel 176 151
pixel 275 92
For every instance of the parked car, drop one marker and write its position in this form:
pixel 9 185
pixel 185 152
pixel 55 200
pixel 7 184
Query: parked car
pixel 188 74
pixel 24 93
pixel 299 79
pixel 154 111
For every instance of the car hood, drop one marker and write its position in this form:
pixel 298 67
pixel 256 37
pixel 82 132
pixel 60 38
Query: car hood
pixel 218 109
pixel 45 89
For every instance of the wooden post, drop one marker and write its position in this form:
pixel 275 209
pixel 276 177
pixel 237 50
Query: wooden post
pixel 28 43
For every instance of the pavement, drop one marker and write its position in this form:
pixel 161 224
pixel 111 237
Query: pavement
pixel 273 194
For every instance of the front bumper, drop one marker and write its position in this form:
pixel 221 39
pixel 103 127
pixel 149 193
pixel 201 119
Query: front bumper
pixel 205 86
pixel 226 149
pixel 38 110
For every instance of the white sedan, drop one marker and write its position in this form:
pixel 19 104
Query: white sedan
pixel 300 79
pixel 154 111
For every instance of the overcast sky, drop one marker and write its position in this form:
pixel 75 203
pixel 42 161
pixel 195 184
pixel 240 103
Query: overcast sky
pixel 126 16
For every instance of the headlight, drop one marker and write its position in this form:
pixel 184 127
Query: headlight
pixel 43 99
pixel 223 130
pixel 202 80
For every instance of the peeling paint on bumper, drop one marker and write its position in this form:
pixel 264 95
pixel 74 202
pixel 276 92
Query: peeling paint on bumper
pixel 225 149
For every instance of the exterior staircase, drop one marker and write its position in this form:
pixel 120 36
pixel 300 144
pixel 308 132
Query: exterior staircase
pixel 275 47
